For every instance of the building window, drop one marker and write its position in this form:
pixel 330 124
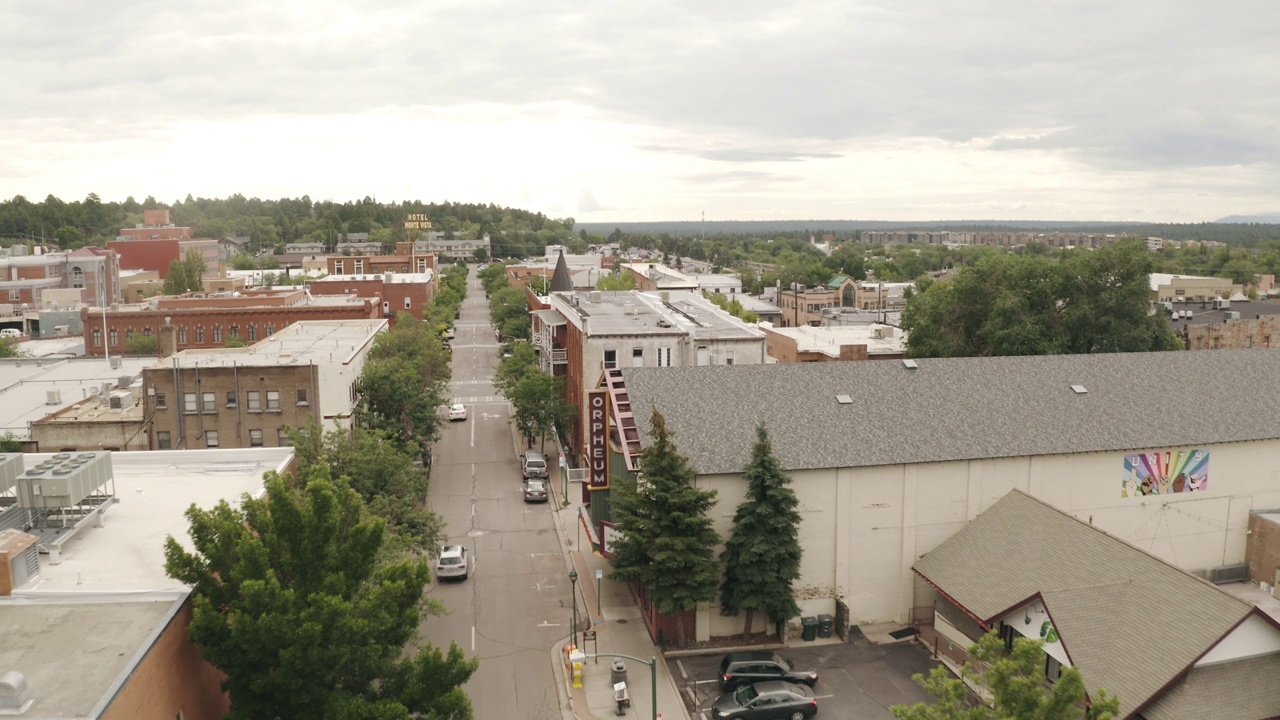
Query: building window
pixel 1248 342
pixel 637 357
pixel 610 359
pixel 339 267
pixel 235 331
pixel 271 329
pixel 408 303
pixel 728 357
pixel 208 403
pixel 161 402
pixel 76 272
pixel 162 440
pixel 97 337
pixel 211 438
pixel 422 265
pixel 254 400
pixel 302 396
pixel 359 266
pixel 282 438
pixel 253 333
pixel 189 403
pixel 15 295
pixel 1266 341
pixel 664 357
pixel 182 335
pixel 273 399
pixel 255 438
pixel 113 337
pixel 231 398
pixel 199 334
pixel 146 332
pixel 217 333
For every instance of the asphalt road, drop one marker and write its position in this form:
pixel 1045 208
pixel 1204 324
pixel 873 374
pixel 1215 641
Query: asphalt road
pixel 856 680
pixel 515 605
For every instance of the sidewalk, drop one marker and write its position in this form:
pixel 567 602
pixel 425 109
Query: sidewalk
pixel 613 615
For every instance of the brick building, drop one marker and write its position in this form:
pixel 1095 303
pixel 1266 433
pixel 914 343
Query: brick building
pixel 155 226
pixel 400 292
pixel 249 397
pixel 93 271
pixel 1227 324
pixel 202 321
pixel 405 260
pixel 157 255
pixel 109 419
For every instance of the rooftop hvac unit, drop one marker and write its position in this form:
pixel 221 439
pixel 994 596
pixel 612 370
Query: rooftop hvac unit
pixel 116 362
pixel 61 330
pixel 53 397
pixel 11 466
pixel 120 400
pixel 124 381
pixel 64 482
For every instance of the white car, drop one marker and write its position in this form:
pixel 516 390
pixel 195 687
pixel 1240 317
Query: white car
pixel 454 562
pixel 10 332
pixel 457 411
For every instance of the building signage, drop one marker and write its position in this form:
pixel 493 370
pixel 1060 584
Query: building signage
pixel 609 534
pixel 598 439
pixel 1164 473
pixel 417 221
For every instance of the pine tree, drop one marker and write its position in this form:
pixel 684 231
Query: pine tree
pixel 292 604
pixel 668 541
pixel 762 555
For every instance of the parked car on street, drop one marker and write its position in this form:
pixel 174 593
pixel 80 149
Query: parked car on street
pixel 457 411
pixel 744 668
pixel 10 333
pixel 533 465
pixel 535 490
pixel 767 701
pixel 454 563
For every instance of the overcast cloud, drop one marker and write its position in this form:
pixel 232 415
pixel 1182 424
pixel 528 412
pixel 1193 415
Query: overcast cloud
pixel 655 110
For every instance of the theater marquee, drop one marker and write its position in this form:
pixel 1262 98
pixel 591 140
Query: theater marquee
pixel 598 438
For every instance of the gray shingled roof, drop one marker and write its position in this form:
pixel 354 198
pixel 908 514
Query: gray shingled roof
pixel 1243 690
pixel 561 280
pixel 962 408
pixel 1129 621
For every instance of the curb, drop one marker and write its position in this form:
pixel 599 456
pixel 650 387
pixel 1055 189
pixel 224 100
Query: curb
pixel 698 652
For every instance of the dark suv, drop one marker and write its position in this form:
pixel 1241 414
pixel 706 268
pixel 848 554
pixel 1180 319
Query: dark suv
pixel 744 668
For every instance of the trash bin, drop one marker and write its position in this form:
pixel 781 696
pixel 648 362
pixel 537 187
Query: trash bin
pixel 810 625
pixel 826 624
pixel 617 671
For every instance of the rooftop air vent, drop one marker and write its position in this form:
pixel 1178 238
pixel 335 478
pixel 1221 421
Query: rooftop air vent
pixel 844 399
pixel 910 364
pixel 1079 389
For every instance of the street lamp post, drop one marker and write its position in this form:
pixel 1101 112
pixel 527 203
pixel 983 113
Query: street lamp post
pixel 573 582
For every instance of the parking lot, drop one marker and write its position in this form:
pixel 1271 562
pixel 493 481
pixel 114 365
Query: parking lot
pixel 856 680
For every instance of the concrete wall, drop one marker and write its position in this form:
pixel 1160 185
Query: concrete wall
pixel 90 435
pixel 171 678
pixel 863 528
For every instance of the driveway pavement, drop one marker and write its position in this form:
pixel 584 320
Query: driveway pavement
pixel 857 680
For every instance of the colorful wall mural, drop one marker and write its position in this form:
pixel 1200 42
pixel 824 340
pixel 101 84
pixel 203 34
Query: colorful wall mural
pixel 1162 473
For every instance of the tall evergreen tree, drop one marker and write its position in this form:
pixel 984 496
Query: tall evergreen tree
pixel 668 541
pixel 762 555
pixel 293 605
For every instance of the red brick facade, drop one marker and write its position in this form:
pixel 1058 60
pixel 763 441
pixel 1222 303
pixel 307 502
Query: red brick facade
pixel 201 323
pixel 397 296
pixel 142 254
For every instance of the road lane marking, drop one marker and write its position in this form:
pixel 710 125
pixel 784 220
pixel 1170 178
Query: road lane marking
pixel 822 697
pixel 684 675
pixel 473 638
pixel 473 434
pixel 544 623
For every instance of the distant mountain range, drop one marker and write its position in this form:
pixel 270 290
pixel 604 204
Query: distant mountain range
pixel 1264 219
pixel 686 228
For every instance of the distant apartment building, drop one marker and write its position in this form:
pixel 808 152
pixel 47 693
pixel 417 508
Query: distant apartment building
pixel 1227 324
pixel 250 397
pixel 92 271
pixel 405 260
pixel 455 248
pixel 212 320
pixel 826 344
pixel 993 238
pixel 581 334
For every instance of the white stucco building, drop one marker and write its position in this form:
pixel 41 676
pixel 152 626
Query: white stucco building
pixel 1166 451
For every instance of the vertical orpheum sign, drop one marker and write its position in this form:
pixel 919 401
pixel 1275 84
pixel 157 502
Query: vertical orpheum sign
pixel 598 438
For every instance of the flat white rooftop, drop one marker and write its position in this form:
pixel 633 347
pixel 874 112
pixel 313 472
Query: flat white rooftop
pixel 828 340
pixel 154 488
pixel 302 343
pixel 413 277
pixel 25 384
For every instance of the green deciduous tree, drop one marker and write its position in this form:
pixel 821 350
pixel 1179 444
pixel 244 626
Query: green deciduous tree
pixel 1016 682
pixel 539 403
pixel 140 344
pixel 9 348
pixel 668 541
pixel 522 361
pixel 402 386
pixel 291 604
pixel 185 275
pixel 616 281
pixel 1031 304
pixel 762 555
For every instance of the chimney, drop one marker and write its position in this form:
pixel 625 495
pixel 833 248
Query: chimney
pixel 168 340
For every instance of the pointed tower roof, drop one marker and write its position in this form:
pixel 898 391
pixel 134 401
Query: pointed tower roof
pixel 561 281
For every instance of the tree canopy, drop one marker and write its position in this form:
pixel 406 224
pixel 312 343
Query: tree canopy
pixel 1016 682
pixel 1031 304
pixel 667 541
pixel 292 605
pixel 185 275
pixel 762 555
pixel 402 386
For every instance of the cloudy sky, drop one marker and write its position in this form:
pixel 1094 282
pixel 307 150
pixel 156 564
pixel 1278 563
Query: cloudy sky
pixel 655 110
